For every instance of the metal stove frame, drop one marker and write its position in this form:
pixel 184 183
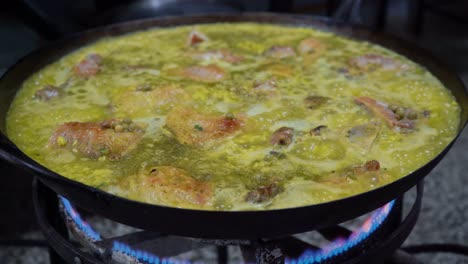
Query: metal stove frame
pixel 380 246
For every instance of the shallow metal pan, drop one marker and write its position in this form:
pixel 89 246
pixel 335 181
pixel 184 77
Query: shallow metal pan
pixel 218 224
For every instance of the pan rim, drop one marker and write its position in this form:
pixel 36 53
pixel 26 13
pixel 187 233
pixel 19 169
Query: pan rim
pixel 22 159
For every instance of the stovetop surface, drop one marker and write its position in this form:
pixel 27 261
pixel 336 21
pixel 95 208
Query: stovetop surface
pixel 444 216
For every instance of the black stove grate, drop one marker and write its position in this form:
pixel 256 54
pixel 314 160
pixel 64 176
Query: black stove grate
pixel 342 240
pixel 376 240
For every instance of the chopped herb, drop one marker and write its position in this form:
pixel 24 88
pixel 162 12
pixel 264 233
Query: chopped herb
pixel 198 127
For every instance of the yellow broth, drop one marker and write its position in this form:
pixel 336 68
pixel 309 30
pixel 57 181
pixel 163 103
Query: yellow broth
pixel 315 167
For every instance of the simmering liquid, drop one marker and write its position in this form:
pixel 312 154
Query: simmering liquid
pixel 233 116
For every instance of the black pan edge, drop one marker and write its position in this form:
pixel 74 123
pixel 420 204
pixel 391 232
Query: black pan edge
pixel 216 224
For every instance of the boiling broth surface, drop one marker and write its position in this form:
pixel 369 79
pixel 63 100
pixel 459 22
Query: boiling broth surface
pixel 233 116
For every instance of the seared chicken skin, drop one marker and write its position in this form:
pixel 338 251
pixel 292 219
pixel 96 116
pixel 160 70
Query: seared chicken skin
pixel 264 193
pixel 89 66
pixel 209 74
pixel 111 138
pixel 195 37
pixel 280 52
pixel 385 112
pixel 146 100
pixel 193 128
pixel 47 93
pixel 310 46
pixel 171 185
pixel 168 185
pixel 283 136
pixel 369 171
pixel 221 54
pixel 368 62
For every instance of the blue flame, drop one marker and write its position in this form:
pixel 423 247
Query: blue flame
pixel 82 225
pixel 335 248
pixel 341 245
pixel 142 255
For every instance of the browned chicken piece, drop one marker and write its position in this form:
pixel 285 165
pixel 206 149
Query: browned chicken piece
pixel 210 73
pixel 47 93
pixel 283 136
pixel 368 61
pixel 193 128
pixel 264 193
pixel 89 66
pixel 310 49
pixel 171 185
pixel 382 110
pixel 222 54
pixel 231 57
pixel 405 113
pixel 146 100
pixel 315 101
pixel 310 46
pixel 369 166
pixel 195 37
pixel 371 170
pixel 372 165
pixel 280 52
pixel 112 138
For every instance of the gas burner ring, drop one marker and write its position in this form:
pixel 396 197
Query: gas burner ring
pixel 123 253
pixel 376 238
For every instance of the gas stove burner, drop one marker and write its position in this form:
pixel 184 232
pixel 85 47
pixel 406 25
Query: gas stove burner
pixel 83 226
pixel 341 245
pixel 121 252
pixel 371 238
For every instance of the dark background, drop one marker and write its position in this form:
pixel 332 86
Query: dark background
pixel 440 26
